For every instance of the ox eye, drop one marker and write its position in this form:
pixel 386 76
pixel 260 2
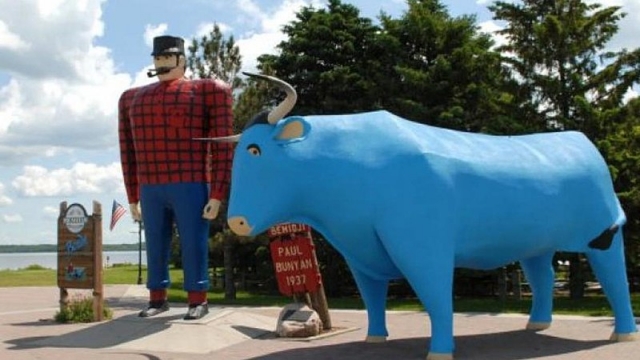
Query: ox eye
pixel 254 150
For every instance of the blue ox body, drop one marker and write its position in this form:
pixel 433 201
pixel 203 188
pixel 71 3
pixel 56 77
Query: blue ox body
pixel 400 199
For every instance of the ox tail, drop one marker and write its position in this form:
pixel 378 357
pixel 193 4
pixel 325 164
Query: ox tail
pixel 605 239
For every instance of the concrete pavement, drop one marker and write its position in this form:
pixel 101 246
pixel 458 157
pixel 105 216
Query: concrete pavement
pixel 28 332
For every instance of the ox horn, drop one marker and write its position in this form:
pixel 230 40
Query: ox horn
pixel 286 105
pixel 222 139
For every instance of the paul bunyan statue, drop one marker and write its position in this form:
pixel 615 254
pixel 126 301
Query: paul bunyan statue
pixel 168 176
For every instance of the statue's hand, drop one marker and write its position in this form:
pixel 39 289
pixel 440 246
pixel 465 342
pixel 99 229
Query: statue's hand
pixel 210 211
pixel 136 213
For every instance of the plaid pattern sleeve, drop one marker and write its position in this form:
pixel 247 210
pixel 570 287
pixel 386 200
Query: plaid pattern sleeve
pixel 220 100
pixel 127 150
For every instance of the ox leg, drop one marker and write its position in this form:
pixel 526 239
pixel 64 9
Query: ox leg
pixel 609 268
pixel 374 295
pixel 540 275
pixel 433 283
pixel 429 269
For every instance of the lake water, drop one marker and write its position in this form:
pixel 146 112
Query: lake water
pixel 49 260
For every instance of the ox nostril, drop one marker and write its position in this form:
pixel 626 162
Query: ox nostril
pixel 240 225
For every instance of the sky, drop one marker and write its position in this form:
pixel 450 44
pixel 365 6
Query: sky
pixel 64 64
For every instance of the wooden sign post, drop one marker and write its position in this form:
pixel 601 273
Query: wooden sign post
pixel 296 267
pixel 80 254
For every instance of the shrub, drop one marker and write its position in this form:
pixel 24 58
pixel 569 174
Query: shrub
pixel 35 267
pixel 80 310
pixel 125 264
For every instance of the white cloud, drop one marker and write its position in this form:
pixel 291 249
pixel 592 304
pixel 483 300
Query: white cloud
pixel 63 88
pixel 74 23
pixel 10 40
pixel 630 94
pixel 268 34
pixel 76 115
pixel 151 31
pixel 12 218
pixel 284 14
pixel 629 26
pixel 490 27
pixel 205 28
pixel 627 36
pixel 4 199
pixel 141 78
pixel 49 8
pixel 489 2
pixel 9 108
pixel 51 212
pixel 82 178
pixel 256 45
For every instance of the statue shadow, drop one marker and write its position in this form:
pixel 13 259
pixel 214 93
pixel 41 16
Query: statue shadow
pixel 121 329
pixel 254 333
pixel 513 345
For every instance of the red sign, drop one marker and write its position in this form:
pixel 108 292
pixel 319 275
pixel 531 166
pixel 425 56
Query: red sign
pixel 289 228
pixel 294 259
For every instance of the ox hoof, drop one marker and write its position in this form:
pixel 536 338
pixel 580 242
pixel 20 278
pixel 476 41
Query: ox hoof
pixel 439 356
pixel 376 339
pixel 538 326
pixel 624 337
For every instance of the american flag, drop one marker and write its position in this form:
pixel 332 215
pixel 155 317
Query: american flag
pixel 116 213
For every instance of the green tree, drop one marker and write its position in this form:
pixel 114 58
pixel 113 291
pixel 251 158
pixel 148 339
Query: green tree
pixel 213 56
pixel 426 66
pixel 622 150
pixel 328 58
pixel 445 72
pixel 556 51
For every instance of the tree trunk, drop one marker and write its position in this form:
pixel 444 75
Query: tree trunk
pixel 502 284
pixel 517 285
pixel 576 277
pixel 229 283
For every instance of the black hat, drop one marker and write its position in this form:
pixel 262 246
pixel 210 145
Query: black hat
pixel 167 45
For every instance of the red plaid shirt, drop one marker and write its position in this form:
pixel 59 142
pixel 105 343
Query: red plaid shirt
pixel 157 124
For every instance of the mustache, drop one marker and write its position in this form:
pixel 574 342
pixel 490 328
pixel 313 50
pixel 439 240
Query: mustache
pixel 160 71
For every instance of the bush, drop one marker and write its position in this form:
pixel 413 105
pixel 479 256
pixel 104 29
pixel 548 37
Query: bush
pixel 80 310
pixel 35 267
pixel 125 264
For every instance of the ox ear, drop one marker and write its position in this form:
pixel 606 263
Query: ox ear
pixel 291 129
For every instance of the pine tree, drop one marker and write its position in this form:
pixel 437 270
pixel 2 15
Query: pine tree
pixel 213 56
pixel 557 51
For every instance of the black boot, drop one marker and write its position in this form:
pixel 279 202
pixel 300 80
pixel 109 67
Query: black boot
pixel 155 308
pixel 197 311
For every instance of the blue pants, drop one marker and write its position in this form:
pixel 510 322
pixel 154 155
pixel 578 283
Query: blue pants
pixel 160 205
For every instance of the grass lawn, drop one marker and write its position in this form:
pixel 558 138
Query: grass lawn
pixel 591 305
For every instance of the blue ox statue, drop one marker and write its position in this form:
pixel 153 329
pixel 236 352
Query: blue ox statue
pixel 401 199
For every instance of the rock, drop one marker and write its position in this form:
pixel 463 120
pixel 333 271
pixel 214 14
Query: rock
pixel 297 320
